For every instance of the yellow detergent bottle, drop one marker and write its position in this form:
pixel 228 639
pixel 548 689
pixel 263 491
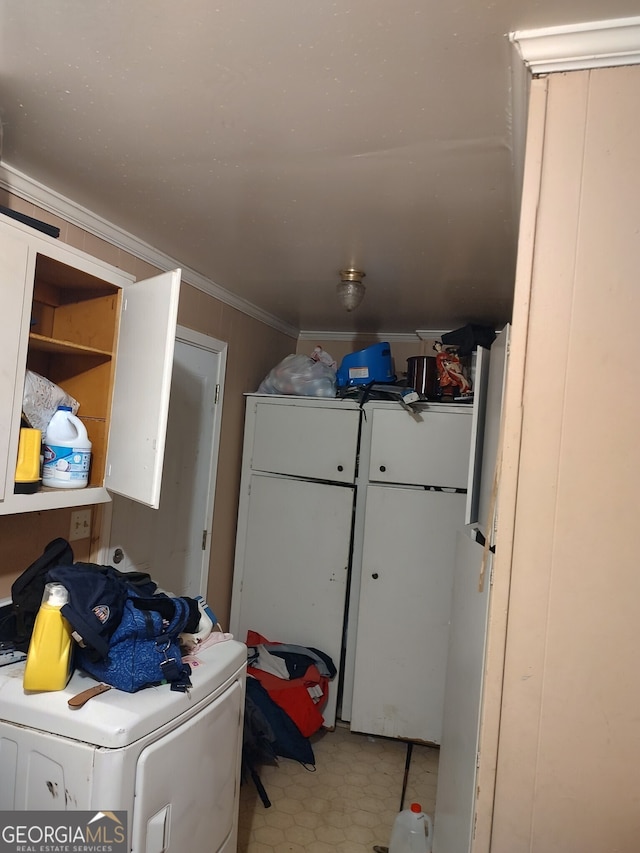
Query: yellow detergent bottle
pixel 48 665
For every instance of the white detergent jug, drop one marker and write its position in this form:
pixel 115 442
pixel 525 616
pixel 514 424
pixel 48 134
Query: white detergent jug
pixel 67 452
pixel 412 831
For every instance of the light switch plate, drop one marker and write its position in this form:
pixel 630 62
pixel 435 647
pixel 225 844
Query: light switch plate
pixel 80 527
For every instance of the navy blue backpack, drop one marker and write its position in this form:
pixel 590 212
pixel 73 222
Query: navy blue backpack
pixel 127 633
pixel 144 649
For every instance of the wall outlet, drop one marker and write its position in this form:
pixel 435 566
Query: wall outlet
pixel 80 527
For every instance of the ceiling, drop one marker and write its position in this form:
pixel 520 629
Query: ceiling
pixel 267 145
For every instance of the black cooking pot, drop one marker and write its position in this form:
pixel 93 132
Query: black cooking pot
pixel 422 376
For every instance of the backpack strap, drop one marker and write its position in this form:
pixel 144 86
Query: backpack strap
pixel 173 669
pixel 180 613
pixel 27 589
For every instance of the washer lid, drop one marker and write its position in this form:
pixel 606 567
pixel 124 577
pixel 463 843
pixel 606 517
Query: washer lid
pixel 115 718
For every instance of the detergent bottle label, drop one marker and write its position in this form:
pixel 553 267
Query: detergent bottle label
pixel 65 463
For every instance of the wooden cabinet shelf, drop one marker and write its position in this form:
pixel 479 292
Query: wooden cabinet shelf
pixel 46 344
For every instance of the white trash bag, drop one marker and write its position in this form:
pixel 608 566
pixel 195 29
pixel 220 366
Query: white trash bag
pixel 41 398
pixel 302 376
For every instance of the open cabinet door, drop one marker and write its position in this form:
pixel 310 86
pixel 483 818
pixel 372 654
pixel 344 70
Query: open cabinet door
pixel 455 798
pixel 142 388
pixel 496 380
pixel 458 764
pixel 477 435
pixel 173 542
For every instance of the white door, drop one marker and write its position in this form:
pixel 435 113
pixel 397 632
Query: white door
pixel 457 769
pixel 403 613
pixel 295 565
pixel 455 798
pixel 173 542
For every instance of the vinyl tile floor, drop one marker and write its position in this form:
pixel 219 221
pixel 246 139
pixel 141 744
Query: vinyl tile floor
pixel 347 805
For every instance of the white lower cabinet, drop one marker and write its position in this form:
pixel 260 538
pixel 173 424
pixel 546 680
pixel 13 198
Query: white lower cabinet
pixel 354 553
pixel 295 554
pixel 404 611
pixel 103 338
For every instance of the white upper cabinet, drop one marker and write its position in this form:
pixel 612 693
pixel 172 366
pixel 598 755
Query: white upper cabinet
pixel 314 439
pixel 107 342
pixel 430 448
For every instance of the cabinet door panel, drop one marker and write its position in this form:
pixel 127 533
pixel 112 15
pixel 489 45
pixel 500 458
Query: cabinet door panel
pixel 455 804
pixel 430 448
pixel 200 815
pixel 306 441
pixel 293 566
pixel 404 611
pixel 495 394
pixel 142 387
pixel 14 266
pixel 477 434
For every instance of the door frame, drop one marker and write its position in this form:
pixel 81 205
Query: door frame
pixel 506 501
pixel 100 553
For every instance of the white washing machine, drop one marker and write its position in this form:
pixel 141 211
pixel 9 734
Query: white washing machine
pixel 170 760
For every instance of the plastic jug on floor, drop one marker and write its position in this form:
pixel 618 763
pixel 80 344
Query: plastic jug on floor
pixel 67 451
pixel 412 831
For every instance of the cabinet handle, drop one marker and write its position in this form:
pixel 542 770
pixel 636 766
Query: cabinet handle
pixel 383 468
pixel 118 556
pixel 375 576
pixel 340 468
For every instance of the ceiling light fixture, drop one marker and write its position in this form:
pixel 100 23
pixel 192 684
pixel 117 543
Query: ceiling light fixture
pixel 351 290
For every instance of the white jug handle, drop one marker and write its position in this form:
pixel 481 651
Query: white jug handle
pixel 429 823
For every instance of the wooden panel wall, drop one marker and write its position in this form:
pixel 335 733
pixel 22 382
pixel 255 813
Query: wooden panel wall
pixel 568 772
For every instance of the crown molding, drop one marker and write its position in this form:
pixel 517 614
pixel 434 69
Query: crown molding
pixel 580 46
pixel 431 334
pixel 36 193
pixel 390 337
